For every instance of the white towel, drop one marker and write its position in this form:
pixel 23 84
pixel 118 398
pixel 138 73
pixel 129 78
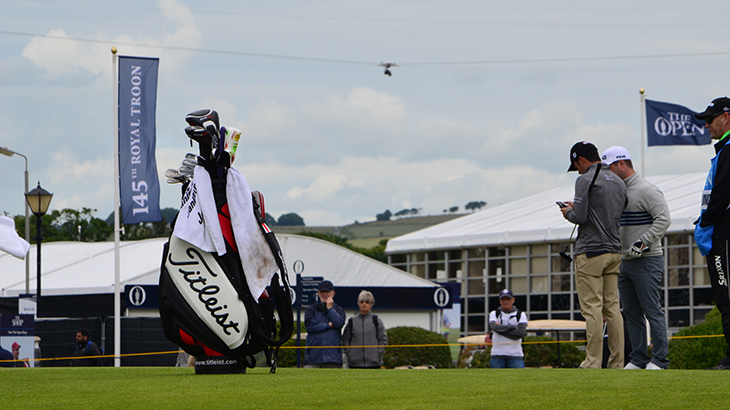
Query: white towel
pixel 197 223
pixel 10 242
pixel 257 259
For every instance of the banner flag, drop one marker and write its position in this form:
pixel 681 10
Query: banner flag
pixel 139 184
pixel 671 124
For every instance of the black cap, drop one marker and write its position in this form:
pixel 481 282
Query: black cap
pixel 326 286
pixel 580 149
pixel 717 106
pixel 506 293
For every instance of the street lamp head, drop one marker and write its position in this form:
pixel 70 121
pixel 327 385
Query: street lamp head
pixel 6 151
pixel 38 199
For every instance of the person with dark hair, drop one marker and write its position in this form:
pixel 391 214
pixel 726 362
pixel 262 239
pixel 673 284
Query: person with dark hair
pixel 364 337
pixel 87 352
pixel 599 200
pixel 712 233
pixel 643 224
pixel 324 320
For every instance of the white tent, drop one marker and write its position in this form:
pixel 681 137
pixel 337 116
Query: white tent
pixel 75 268
pixel 341 266
pixel 82 268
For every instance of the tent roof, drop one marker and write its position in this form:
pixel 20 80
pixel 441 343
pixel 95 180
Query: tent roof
pixel 84 268
pixel 537 219
pixel 342 266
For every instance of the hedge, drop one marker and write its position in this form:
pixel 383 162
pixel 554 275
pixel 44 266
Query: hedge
pixel 698 353
pixel 437 356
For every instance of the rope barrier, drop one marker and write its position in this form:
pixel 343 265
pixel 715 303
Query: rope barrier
pixel 342 347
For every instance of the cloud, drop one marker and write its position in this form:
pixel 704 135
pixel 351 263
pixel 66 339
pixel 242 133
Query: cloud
pixel 64 56
pixel 59 54
pixel 77 183
pixel 359 188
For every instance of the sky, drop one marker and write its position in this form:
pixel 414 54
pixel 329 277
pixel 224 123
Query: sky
pixel 484 105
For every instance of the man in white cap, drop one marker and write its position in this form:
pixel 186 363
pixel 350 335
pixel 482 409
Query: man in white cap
pixel 509 326
pixel 643 224
pixel 712 233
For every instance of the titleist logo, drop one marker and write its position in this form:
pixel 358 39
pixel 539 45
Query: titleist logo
pixel 198 282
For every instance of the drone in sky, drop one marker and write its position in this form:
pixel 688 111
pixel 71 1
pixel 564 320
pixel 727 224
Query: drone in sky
pixel 387 68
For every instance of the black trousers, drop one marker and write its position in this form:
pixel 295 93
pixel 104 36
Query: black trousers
pixel 717 267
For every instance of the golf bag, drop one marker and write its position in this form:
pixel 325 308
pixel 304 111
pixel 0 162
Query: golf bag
pixel 206 304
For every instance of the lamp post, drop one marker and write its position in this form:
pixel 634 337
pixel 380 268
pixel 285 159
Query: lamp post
pixel 10 153
pixel 38 199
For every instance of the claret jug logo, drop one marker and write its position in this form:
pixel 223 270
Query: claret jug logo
pixel 208 291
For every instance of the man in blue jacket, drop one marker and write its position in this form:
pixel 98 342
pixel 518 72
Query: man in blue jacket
pixel 712 233
pixel 324 320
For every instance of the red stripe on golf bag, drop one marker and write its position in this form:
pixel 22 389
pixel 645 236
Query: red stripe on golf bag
pixel 187 339
pixel 224 218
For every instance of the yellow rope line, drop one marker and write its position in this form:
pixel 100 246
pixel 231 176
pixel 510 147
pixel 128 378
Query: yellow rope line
pixel 341 347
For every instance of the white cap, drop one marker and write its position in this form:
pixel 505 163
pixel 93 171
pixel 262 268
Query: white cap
pixel 614 154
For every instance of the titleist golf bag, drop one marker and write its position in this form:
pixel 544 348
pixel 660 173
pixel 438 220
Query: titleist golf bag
pixel 206 304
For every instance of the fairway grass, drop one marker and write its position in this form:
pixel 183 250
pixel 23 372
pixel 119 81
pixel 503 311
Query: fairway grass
pixel 181 388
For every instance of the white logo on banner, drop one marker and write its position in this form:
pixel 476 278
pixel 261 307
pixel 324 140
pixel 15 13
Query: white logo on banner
pixel 137 296
pixel 441 297
pixel 677 125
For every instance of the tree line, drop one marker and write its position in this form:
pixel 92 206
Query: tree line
pixel 385 216
pixel 73 225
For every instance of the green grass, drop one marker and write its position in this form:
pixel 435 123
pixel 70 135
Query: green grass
pixel 180 388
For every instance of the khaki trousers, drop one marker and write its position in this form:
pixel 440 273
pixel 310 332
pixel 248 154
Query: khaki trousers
pixel 596 280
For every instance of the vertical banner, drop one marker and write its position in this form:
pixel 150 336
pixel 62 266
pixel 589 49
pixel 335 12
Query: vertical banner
pixel 671 124
pixel 139 184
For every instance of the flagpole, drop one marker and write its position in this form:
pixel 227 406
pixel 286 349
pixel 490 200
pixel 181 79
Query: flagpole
pixel 643 132
pixel 117 297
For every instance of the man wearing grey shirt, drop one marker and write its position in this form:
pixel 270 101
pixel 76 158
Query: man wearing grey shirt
pixel 643 224
pixel 600 198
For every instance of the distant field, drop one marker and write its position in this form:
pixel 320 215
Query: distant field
pixel 367 235
pixel 179 388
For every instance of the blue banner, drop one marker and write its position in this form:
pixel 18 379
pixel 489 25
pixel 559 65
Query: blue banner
pixel 671 124
pixel 139 184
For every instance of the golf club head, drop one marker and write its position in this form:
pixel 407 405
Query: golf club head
pixel 565 256
pixel 201 117
pixel 174 177
pixel 172 173
pixel 209 120
pixel 203 138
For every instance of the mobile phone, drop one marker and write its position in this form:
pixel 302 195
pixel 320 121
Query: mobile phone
pixel 561 204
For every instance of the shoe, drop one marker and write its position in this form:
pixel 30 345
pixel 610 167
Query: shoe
pixel 719 367
pixel 631 366
pixel 652 366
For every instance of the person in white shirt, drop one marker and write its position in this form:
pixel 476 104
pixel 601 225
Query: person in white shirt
pixel 509 325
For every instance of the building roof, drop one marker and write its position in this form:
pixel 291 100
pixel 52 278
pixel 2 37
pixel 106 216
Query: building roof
pixel 537 219
pixel 86 268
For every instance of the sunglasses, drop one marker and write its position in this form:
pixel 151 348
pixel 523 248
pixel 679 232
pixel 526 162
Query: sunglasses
pixel 709 120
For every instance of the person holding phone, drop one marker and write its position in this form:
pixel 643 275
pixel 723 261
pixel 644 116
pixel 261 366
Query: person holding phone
pixel 599 200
